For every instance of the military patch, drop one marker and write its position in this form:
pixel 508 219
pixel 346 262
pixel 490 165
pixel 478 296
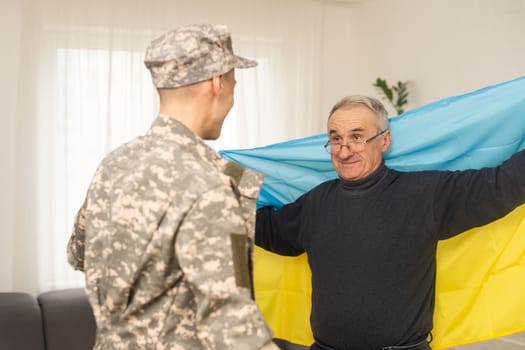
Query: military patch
pixel 240 260
pixel 234 171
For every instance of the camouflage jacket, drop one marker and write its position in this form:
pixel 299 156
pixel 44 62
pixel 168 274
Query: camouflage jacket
pixel 164 238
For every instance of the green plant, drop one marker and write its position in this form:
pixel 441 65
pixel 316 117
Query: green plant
pixel 397 95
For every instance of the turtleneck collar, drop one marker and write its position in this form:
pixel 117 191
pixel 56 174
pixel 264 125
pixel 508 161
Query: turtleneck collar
pixel 363 185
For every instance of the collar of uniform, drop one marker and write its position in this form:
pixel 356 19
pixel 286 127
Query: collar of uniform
pixel 171 128
pixel 248 181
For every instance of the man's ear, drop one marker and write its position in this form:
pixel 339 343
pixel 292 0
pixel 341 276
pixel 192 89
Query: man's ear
pixel 386 141
pixel 216 84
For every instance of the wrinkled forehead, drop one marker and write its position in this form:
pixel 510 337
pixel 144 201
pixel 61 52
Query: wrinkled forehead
pixel 352 119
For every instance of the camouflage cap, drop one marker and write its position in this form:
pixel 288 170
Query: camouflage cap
pixel 191 54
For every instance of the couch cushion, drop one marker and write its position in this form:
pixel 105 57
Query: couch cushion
pixel 68 320
pixel 20 322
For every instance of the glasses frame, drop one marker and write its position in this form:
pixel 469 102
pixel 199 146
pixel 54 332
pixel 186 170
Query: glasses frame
pixel 329 145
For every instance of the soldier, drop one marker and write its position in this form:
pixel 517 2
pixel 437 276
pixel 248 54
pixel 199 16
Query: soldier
pixel 165 233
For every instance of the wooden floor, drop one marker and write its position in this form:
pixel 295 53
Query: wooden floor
pixel 511 342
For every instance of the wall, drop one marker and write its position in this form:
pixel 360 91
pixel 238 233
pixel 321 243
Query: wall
pixel 9 40
pixel 442 48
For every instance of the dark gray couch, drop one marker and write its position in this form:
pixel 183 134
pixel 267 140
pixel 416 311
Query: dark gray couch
pixel 56 320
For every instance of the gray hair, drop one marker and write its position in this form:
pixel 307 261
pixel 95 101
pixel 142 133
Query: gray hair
pixel 373 104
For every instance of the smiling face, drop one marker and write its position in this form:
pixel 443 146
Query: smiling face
pixel 356 122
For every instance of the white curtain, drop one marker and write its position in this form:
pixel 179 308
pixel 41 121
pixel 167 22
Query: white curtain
pixel 83 90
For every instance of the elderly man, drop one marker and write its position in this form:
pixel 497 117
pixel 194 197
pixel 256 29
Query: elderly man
pixel 371 235
pixel 165 233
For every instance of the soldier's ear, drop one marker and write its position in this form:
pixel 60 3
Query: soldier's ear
pixel 216 84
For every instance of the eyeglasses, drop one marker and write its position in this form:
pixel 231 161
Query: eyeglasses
pixel 356 143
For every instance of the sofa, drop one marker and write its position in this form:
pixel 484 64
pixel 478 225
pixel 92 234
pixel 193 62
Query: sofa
pixel 55 320
pixel 63 320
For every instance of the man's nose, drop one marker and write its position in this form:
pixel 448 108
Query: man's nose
pixel 345 150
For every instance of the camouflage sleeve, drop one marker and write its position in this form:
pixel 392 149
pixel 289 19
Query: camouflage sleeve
pixel 248 184
pixel 75 246
pixel 227 317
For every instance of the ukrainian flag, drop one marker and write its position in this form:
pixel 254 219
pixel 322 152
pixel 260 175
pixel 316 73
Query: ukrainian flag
pixel 480 291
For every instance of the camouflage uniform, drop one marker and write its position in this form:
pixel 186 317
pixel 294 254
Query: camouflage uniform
pixel 165 234
pixel 164 238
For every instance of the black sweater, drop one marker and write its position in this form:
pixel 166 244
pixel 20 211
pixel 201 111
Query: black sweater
pixel 371 245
